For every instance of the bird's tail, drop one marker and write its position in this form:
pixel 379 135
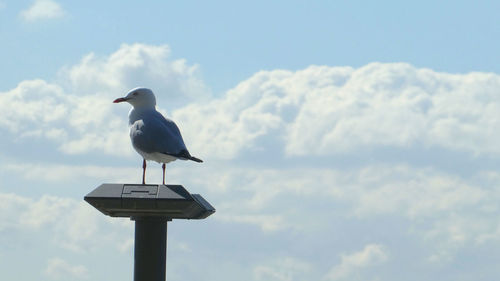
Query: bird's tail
pixel 184 155
pixel 195 159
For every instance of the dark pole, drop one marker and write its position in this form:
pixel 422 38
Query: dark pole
pixel 151 207
pixel 150 250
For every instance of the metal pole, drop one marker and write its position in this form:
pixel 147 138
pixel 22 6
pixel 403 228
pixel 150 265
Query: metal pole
pixel 150 250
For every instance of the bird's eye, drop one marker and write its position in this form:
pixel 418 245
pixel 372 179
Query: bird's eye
pixel 135 94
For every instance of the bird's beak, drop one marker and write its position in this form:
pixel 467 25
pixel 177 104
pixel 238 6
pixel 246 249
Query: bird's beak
pixel 120 100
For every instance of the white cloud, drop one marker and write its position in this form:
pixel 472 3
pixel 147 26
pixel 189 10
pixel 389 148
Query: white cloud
pixel 127 246
pixel 47 210
pixel 61 173
pixel 39 109
pixel 444 212
pixel 352 264
pixel 268 223
pixel 369 191
pixel 317 111
pixel 41 10
pixel 10 208
pixel 282 269
pixel 32 104
pixel 70 173
pixel 58 268
pixel 80 116
pixel 25 212
pixel 412 192
pixel 73 225
pixel 456 231
pixel 132 65
pixel 378 190
pixel 325 110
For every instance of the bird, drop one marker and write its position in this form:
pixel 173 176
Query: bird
pixel 153 136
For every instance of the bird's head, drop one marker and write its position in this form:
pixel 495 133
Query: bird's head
pixel 139 97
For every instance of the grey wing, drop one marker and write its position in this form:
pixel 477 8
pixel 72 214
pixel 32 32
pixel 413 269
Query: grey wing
pixel 157 134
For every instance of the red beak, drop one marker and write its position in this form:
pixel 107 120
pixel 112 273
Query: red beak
pixel 120 100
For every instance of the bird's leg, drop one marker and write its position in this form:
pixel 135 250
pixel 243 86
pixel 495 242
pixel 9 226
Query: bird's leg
pixel 143 171
pixel 163 167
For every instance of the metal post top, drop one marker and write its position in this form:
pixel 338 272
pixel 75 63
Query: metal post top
pixel 148 200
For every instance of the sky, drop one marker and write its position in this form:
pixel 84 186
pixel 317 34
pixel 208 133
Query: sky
pixel 342 140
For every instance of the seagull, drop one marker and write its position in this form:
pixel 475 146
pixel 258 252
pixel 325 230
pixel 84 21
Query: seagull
pixel 153 136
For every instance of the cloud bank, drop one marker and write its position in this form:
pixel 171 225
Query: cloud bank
pixel 318 111
pixel 325 110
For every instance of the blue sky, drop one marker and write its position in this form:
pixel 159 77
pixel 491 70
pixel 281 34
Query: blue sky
pixel 231 41
pixel 342 141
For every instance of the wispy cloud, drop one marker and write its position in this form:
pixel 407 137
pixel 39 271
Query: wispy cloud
pixel 69 173
pixel 352 264
pixel 58 268
pixel 282 269
pixel 71 224
pixel 268 223
pixel 42 10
